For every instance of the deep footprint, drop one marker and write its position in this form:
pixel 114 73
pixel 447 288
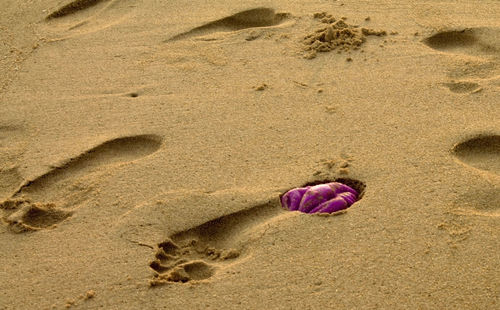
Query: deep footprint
pixel 214 244
pixel 119 150
pixel 259 17
pixel 471 41
pixel 482 152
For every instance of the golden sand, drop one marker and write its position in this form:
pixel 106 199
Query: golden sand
pixel 144 146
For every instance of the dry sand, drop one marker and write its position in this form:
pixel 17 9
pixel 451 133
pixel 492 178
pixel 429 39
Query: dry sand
pixel 144 144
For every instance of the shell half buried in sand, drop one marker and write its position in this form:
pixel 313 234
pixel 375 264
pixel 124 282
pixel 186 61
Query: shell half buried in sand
pixel 322 198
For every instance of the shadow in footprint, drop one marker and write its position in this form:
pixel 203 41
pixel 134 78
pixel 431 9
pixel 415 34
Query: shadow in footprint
pixel 195 254
pixel 462 87
pixel 259 17
pixel 482 152
pixel 86 16
pixel 115 151
pixel 74 7
pixel 471 41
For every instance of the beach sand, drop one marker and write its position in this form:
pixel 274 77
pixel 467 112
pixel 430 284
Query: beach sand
pixel 144 146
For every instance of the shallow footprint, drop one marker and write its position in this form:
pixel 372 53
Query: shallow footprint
pixel 259 17
pixel 483 201
pixel 482 152
pixel 115 151
pixel 471 41
pixel 462 87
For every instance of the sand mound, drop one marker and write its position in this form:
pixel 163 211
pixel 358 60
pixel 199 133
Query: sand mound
pixel 336 35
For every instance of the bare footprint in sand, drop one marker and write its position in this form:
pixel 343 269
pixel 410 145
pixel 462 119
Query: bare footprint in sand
pixel 75 7
pixel 196 254
pixel 482 42
pixel 482 152
pixel 31 207
pixel 479 201
pixel 253 18
pixel 85 16
pixel 470 41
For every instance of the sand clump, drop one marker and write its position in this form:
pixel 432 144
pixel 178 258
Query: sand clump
pixel 336 35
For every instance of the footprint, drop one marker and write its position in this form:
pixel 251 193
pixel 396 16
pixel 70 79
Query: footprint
pixel 483 201
pixel 463 87
pixel 114 151
pixel 74 7
pixel 86 16
pixel 483 42
pixel 21 209
pixel 482 152
pixel 470 41
pixel 259 17
pixel 196 254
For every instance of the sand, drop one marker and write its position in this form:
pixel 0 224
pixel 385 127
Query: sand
pixel 144 145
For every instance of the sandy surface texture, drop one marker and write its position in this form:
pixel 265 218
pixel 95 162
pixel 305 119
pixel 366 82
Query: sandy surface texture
pixel 144 146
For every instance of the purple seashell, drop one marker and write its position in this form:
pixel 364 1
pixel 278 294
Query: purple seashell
pixel 332 205
pixel 340 188
pixel 349 197
pixel 322 198
pixel 292 198
pixel 316 195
